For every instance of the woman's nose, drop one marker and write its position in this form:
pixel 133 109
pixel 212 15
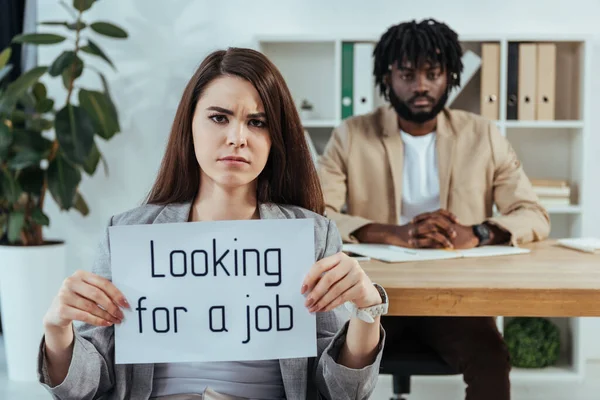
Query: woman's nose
pixel 237 136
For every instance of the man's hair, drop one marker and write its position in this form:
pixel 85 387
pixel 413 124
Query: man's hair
pixel 418 43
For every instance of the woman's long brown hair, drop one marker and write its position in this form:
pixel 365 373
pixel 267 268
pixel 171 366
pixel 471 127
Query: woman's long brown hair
pixel 289 176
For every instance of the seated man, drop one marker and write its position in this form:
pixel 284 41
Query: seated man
pixel 417 174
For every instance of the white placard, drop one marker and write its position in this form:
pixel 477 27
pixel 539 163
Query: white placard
pixel 213 291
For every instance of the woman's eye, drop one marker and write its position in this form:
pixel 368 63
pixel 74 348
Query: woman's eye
pixel 219 119
pixel 257 123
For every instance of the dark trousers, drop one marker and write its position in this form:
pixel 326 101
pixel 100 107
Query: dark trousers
pixel 472 346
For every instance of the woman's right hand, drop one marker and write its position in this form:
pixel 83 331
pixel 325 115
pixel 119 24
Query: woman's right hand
pixel 86 297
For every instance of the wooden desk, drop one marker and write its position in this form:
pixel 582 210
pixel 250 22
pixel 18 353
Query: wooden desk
pixel 550 281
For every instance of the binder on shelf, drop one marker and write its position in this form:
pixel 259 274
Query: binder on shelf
pixel 527 81
pixel 490 80
pixel 471 64
pixel 363 80
pixel 546 81
pixel 512 82
pixel 347 94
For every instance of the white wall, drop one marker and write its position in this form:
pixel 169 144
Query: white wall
pixel 169 39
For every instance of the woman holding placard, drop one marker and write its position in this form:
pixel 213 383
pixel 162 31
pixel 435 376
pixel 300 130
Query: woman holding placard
pixel 236 151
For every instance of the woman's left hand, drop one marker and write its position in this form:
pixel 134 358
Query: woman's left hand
pixel 335 280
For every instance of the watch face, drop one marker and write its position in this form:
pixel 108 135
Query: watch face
pixel 483 232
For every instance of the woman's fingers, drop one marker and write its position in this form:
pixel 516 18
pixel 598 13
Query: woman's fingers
pixel 318 269
pixel 90 307
pixel 324 284
pixel 349 294
pixel 96 295
pixel 339 292
pixel 107 286
pixel 74 314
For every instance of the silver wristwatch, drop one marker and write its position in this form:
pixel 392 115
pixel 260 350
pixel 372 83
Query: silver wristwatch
pixel 368 314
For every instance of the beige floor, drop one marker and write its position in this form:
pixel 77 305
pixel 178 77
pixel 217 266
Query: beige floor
pixel 589 389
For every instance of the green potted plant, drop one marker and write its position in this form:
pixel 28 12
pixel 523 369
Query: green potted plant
pixel 45 148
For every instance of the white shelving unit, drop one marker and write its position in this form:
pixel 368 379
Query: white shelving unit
pixel 547 149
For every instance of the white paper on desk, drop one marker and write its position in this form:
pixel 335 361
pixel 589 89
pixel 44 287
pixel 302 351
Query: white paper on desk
pixel 588 245
pixel 389 253
pixel 493 251
pixel 170 317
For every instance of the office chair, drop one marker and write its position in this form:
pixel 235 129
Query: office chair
pixel 407 357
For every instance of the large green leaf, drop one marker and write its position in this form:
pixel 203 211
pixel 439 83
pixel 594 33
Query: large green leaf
pixel 83 5
pixel 4 71
pixel 38 216
pixel 92 48
pixel 25 158
pixel 91 163
pixel 16 221
pixel 63 179
pixel 103 113
pixel 72 72
pixel 64 60
pixel 108 29
pixel 80 204
pixel 39 38
pixel 5 56
pixel 31 180
pixel 20 86
pixel 107 93
pixel 75 132
pixel 11 190
pixel 6 139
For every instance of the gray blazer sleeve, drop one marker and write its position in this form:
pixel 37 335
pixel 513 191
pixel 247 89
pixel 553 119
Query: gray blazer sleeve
pixel 91 373
pixel 335 381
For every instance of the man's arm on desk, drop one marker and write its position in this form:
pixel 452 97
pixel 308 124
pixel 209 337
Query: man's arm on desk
pixel 332 169
pixel 522 214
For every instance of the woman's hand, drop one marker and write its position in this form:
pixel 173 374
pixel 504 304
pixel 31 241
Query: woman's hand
pixel 336 279
pixel 86 297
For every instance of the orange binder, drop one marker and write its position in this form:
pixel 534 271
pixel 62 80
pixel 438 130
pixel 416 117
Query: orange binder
pixel 546 81
pixel 527 81
pixel 490 80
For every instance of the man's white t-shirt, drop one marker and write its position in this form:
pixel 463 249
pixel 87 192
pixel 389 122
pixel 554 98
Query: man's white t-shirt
pixel 420 180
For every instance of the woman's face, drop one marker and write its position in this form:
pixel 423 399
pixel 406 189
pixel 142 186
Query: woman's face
pixel 230 133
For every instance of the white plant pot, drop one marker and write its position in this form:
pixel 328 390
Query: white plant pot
pixel 30 278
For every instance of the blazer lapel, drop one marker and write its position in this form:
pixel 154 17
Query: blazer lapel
pixel 445 152
pixel 394 147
